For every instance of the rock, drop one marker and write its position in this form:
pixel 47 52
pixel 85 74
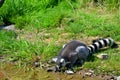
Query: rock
pixel 2 58
pixel 37 59
pixel 49 61
pixel 58 79
pixel 118 78
pixel 103 56
pixel 88 74
pixel 37 64
pixel 45 65
pixel 115 78
pixel 91 71
pixel 51 69
pixel 69 72
pixel 10 27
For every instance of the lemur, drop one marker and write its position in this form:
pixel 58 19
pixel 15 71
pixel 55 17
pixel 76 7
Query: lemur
pixel 76 50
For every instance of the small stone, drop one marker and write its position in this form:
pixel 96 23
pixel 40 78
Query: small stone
pixel 69 72
pixel 46 65
pixel 51 69
pixel 83 76
pixel 91 71
pixel 37 64
pixel 1 57
pixel 103 56
pixel 88 74
pixel 118 78
pixel 37 59
pixel 58 78
pixel 49 61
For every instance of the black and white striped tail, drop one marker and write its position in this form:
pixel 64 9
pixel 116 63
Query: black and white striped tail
pixel 100 44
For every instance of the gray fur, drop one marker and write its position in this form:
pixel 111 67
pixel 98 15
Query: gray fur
pixel 71 52
pixel 76 50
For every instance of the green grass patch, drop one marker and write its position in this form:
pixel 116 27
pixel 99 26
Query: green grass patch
pixel 48 24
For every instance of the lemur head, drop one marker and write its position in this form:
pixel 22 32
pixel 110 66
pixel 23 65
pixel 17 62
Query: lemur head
pixel 60 62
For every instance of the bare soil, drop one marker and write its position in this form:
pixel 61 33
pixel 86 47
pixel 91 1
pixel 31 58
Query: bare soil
pixel 10 71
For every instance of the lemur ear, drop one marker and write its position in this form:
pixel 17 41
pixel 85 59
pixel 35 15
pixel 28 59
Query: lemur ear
pixel 54 59
pixel 64 45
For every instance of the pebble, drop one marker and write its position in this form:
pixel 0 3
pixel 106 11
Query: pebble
pixel 88 74
pixel 2 59
pixel 37 64
pixel 51 69
pixel 69 72
pixel 115 78
pixel 91 71
pixel 118 78
pixel 103 56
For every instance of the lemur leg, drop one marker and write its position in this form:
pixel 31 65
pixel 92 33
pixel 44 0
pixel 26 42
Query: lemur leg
pixel 73 59
pixel 79 62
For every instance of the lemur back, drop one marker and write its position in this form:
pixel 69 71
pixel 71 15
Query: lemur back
pixel 76 50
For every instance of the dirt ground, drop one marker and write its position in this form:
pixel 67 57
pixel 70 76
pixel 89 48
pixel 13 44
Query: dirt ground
pixel 13 72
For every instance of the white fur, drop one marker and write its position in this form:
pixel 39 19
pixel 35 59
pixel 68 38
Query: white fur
pixel 54 59
pixel 97 44
pixel 63 62
pixel 108 42
pixel 92 48
pixel 64 45
pixel 103 44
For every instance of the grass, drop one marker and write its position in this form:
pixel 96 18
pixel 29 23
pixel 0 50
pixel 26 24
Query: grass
pixel 44 26
pixel 106 66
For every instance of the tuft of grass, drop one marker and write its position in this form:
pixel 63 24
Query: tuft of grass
pixel 44 13
pixel 105 66
pixel 36 13
pixel 94 25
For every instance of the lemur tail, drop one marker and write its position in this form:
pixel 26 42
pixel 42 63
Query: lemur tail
pixel 100 44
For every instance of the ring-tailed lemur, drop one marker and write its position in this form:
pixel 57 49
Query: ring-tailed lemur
pixel 76 50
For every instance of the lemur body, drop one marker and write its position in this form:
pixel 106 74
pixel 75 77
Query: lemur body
pixel 76 50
